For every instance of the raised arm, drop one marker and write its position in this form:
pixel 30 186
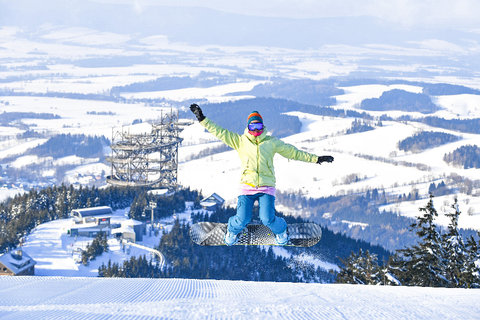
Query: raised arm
pixel 290 152
pixel 230 138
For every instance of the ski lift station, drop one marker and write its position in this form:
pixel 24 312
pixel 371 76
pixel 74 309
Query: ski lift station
pixel 89 222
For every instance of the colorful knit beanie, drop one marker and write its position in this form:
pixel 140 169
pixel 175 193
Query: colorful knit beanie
pixel 254 116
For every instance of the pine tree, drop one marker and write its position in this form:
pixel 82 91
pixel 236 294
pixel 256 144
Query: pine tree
pixel 392 271
pixel 423 264
pixel 61 208
pixel 85 257
pixel 104 242
pixel 471 276
pixel 455 251
pixel 360 269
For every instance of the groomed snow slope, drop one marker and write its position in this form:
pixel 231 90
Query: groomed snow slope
pixel 109 298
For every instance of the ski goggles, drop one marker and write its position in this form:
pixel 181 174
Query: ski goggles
pixel 255 126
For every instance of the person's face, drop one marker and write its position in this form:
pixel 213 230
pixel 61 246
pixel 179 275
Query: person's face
pixel 255 130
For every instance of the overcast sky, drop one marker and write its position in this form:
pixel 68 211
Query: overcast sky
pixel 456 13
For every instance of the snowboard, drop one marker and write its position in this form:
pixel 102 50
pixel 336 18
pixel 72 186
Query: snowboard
pixel 213 234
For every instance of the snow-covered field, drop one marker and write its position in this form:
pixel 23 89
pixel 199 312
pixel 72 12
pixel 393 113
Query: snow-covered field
pixel 372 156
pixel 212 94
pixel 109 298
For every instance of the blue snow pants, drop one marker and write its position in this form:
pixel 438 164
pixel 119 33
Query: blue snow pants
pixel 266 204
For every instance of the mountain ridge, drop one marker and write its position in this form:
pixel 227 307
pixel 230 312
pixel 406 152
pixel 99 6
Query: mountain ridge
pixel 194 25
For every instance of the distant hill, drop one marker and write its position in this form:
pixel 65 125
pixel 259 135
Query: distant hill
pixel 400 100
pixel 319 93
pixel 443 89
pixel 200 26
pixel 431 89
pixel 426 139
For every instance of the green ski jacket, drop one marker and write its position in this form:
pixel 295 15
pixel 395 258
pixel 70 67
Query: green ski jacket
pixel 256 153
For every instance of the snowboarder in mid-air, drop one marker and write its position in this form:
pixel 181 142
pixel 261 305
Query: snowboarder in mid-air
pixel 256 150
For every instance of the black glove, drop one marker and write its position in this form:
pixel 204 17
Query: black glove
pixel 324 159
pixel 197 111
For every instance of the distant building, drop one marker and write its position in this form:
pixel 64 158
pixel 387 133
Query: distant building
pixel 212 202
pixel 89 222
pixel 16 263
pixel 89 215
pixel 130 230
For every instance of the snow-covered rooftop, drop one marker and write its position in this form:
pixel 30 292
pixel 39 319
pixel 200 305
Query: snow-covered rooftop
pixel 93 211
pixel 17 261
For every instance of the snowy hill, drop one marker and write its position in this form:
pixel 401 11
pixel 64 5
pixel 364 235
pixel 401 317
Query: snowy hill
pixel 109 298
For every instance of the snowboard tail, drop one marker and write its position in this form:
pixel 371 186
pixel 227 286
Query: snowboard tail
pixel 213 234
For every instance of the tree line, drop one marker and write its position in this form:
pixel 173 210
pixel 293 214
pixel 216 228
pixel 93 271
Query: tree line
pixel 466 156
pixel 397 99
pixel 62 145
pixel 425 140
pixel 203 80
pixel 313 92
pixel 132 268
pixel 6 118
pixel 359 126
pixel 461 125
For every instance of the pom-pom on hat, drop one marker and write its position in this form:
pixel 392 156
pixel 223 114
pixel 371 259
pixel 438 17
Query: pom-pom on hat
pixel 254 116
